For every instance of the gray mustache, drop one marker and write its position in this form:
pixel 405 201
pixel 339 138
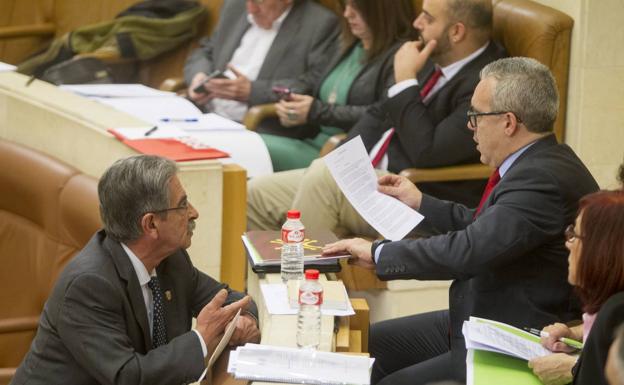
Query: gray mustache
pixel 191 225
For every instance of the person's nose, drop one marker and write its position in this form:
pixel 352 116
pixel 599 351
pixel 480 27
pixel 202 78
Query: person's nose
pixel 418 22
pixel 348 11
pixel 193 213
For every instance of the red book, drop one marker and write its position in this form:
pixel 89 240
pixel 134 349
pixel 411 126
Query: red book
pixel 169 148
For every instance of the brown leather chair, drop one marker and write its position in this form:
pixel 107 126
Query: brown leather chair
pixel 524 28
pixel 48 211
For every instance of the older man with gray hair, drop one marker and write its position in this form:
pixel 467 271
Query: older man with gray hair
pixel 507 257
pixel 121 311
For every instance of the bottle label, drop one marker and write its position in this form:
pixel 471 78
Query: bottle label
pixel 310 297
pixel 292 236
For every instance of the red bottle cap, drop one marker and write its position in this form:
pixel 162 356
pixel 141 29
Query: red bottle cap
pixel 293 214
pixel 311 274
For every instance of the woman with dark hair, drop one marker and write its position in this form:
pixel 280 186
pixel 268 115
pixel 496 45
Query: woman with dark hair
pixel 358 77
pixel 596 269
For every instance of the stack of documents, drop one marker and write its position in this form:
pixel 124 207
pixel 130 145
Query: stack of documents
pixel 498 353
pixel 298 366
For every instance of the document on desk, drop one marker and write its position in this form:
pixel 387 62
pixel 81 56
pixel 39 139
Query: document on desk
pixel 352 170
pixel 227 335
pixel 6 67
pixel 300 366
pixel 115 90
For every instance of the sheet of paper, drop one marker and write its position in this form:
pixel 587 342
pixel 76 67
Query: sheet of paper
pixel 501 338
pixel 276 299
pixel 153 109
pixel 115 90
pixel 352 170
pixel 273 363
pixel 6 67
pixel 227 335
pixel 208 122
pixel 160 132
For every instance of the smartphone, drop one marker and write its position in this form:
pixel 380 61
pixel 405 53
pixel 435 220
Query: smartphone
pixel 216 74
pixel 283 93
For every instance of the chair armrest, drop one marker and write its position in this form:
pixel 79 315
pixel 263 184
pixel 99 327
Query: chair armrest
pixel 331 143
pixel 172 85
pixel 19 324
pixel 29 30
pixel 257 114
pixel 448 174
pixel 6 374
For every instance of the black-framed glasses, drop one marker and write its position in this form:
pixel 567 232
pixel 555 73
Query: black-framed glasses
pixel 183 206
pixel 570 234
pixel 473 115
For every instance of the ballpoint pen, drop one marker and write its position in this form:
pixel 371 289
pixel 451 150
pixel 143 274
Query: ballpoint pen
pixel 188 120
pixel 568 341
pixel 151 131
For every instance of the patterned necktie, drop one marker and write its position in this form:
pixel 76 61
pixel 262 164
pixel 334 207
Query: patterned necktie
pixel 433 79
pixel 159 333
pixel 494 179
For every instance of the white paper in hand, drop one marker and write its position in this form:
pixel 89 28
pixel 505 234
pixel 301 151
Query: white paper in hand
pixel 352 170
pixel 227 335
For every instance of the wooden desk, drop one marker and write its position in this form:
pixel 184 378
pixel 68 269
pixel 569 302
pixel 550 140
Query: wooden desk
pixel 73 129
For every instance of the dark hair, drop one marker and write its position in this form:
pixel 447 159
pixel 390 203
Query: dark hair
pixel 130 188
pixel 600 269
pixel 621 174
pixel 388 20
pixel 476 14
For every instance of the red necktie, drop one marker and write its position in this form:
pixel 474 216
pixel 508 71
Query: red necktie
pixel 494 179
pixel 433 79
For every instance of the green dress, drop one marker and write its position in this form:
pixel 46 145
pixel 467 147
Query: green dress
pixel 289 153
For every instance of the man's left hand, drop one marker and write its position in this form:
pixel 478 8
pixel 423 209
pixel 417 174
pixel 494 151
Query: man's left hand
pixel 238 88
pixel 360 250
pixel 246 331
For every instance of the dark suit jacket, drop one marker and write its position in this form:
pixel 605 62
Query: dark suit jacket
pixel 370 86
pixel 434 134
pixel 590 366
pixel 305 42
pixel 510 264
pixel 94 326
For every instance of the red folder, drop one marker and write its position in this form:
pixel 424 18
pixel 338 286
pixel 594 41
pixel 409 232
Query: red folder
pixel 169 148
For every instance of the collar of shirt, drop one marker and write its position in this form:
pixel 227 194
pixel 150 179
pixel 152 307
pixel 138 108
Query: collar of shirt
pixel 451 70
pixel 448 73
pixel 507 163
pixel 276 24
pixel 141 271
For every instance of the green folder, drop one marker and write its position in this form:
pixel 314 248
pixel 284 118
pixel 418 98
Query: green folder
pixel 496 369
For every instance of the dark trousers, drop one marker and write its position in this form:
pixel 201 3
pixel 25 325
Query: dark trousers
pixel 414 350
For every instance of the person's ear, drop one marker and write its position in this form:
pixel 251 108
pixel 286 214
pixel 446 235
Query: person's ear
pixel 457 32
pixel 149 225
pixel 511 124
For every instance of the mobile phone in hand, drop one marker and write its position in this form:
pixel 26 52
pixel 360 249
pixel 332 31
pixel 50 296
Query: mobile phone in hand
pixel 283 93
pixel 216 74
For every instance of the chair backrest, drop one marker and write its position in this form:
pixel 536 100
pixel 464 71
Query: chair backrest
pixel 526 28
pixel 48 211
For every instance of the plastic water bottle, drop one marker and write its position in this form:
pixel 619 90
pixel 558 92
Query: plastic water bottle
pixel 309 315
pixel 293 234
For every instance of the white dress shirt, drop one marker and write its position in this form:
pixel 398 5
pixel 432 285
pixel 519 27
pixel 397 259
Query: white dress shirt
pixel 144 277
pixel 248 59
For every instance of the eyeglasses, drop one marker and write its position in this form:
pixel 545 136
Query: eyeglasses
pixel 473 115
pixel 184 206
pixel 570 235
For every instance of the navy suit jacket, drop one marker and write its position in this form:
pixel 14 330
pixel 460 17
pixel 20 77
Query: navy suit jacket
pixel 510 264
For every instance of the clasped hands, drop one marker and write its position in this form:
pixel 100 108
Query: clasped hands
pixel 395 186
pixel 556 369
pixel 238 88
pixel 214 318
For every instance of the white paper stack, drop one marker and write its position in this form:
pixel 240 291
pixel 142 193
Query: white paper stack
pixel 298 366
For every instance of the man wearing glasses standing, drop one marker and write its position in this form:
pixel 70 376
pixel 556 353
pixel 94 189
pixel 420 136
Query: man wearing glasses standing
pixel 507 257
pixel 121 311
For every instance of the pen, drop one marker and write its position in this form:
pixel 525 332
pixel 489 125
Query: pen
pixel 179 120
pixel 151 131
pixel 568 341
pixel 30 80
